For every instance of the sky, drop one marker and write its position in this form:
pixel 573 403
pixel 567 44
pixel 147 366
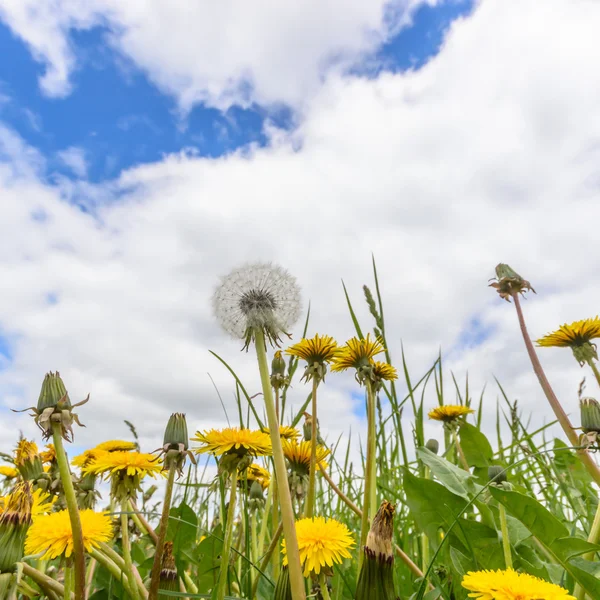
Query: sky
pixel 146 150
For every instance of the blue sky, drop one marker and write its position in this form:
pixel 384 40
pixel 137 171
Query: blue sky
pixel 119 118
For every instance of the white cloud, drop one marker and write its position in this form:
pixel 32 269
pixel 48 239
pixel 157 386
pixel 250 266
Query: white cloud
pixel 488 154
pixel 74 158
pixel 220 53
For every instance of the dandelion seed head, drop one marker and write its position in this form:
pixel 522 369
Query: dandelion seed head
pixel 257 296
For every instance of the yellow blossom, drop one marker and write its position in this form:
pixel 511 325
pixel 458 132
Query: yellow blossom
pixel 218 442
pixel 449 413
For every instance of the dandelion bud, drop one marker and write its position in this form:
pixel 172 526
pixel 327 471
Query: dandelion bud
pixel 278 377
pixel 433 446
pixel 257 498
pixel 15 519
pixel 497 474
pixel 376 580
pixel 168 571
pixel 507 282
pixel 590 415
pixel 176 433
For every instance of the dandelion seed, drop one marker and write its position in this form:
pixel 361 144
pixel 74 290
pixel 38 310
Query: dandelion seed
pixel 257 297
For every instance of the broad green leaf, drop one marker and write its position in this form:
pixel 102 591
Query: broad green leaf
pixel 450 476
pixel 475 445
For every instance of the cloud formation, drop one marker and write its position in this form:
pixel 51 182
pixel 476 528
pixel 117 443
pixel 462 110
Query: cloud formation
pixel 489 153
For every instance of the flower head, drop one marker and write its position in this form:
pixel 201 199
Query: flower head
pixel 257 297
pixel 358 354
pixel 383 371
pixel 25 452
pixel 52 533
pixel 8 472
pixel 298 456
pixel 449 413
pixel 510 585
pixel 321 543
pixel 247 441
pixel 257 473
pixel 285 432
pixel 577 336
pixel 15 519
pixel 29 462
pixel 125 469
pixel 317 352
pixel 41 503
pixel 49 454
pixel 116 446
pixel 507 282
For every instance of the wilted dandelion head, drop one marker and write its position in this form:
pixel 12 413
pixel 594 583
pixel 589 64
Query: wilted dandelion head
pixel 257 297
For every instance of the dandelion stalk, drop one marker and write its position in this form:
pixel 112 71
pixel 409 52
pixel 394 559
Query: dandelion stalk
pixel 312 475
pixel 555 404
pixel 127 549
pixel 73 508
pixel 459 451
pixel 323 586
pixel 162 535
pixel 505 537
pixel 593 538
pixel 68 582
pixel 285 500
pixel 114 570
pixel 228 539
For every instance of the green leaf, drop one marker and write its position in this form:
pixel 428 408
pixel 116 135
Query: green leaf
pixel 475 445
pixel 450 476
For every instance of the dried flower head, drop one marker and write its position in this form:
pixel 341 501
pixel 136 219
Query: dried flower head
pixel 317 352
pixel 507 282
pixel 510 585
pixel 577 336
pixel 257 297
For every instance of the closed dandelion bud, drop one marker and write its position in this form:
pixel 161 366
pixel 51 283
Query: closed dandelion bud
pixel 53 391
pixel 257 498
pixel 508 282
pixel 278 377
pixel 168 571
pixel 15 519
pixel 433 446
pixel 590 415
pixel 176 442
pixel 497 474
pixel 376 579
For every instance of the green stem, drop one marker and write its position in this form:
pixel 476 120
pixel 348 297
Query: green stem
pixel 424 538
pixel 68 582
pixel 461 455
pixel 265 519
pixel 189 584
pixel 224 569
pixel 323 586
pixel 285 499
pixel 73 508
pixel 505 538
pixel 556 406
pixel 162 534
pixel 370 490
pixel 127 549
pixel 113 569
pixel 593 538
pixel 594 369
pixel 312 476
pixel 46 583
pixel 141 522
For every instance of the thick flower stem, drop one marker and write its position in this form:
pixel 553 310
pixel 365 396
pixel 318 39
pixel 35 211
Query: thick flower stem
pixel 323 586
pixel 561 416
pixel 47 584
pixel 162 534
pixel 228 539
pixel 285 499
pixel 127 548
pixel 68 582
pixel 593 538
pixel 461 455
pixel 594 369
pixel 113 569
pixel 505 538
pixel 370 488
pixel 73 508
pixel 309 509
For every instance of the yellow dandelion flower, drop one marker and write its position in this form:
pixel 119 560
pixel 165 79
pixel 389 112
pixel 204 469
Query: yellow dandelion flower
pixel 321 543
pixel 133 464
pixel 222 441
pixel 256 473
pixel 317 352
pixel 449 413
pixel 48 455
pixel 298 455
pixel 85 458
pixel 42 502
pixel 285 432
pixel 52 533
pixel 357 353
pixel 8 472
pixel 382 371
pixel 116 446
pixel 574 334
pixel 510 585
pixel 15 508
pixel 26 451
